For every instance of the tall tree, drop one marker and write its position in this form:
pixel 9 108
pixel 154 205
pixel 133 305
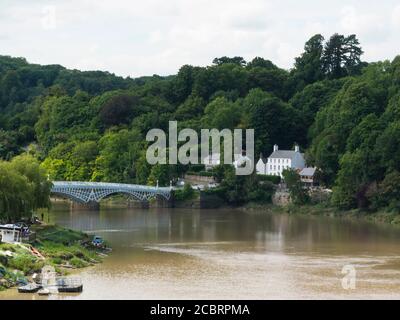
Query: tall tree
pixel 342 56
pixel 308 67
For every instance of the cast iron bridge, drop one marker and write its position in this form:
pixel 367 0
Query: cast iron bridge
pixel 85 192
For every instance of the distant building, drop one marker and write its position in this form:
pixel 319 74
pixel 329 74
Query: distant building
pixel 307 176
pixel 261 167
pixel 280 160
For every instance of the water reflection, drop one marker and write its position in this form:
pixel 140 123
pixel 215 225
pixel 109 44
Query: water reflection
pixel 230 254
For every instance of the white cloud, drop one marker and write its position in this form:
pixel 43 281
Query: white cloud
pixel 132 37
pixel 396 17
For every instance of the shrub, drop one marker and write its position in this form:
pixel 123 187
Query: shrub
pixel 78 263
pixel 186 193
pixel 26 263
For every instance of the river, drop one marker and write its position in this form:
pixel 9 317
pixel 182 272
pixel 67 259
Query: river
pixel 232 254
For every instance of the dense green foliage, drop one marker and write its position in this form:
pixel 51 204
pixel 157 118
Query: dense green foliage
pixel 186 193
pixel 92 125
pixel 24 187
pixel 238 190
pixel 298 193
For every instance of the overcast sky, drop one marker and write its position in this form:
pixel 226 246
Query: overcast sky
pixel 135 38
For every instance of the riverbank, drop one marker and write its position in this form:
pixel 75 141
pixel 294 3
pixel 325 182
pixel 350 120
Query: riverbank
pixel 315 210
pixel 55 246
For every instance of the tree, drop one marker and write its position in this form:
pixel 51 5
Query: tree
pixel 220 114
pixel 308 67
pixel 235 60
pixel 36 175
pixel 160 173
pixel 297 192
pixel 352 182
pixel 192 107
pixel 16 198
pixel 23 188
pixel 117 154
pixel 274 121
pixel 342 56
pixel 388 192
pixel 118 110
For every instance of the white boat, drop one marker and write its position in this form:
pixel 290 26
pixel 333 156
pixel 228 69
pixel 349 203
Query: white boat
pixel 44 292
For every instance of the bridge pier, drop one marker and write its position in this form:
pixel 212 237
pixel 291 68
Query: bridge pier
pixel 92 205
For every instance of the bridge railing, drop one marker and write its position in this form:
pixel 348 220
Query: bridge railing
pixel 80 184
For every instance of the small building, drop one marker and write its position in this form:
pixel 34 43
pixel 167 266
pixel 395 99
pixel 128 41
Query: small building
pixel 10 233
pixel 280 160
pixel 261 167
pixel 307 176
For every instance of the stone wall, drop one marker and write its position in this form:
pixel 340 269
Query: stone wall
pixel 281 198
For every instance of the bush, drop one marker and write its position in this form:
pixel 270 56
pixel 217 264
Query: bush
pixel 78 263
pixel 186 193
pixel 26 263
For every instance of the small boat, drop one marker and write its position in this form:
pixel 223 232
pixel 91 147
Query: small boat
pixel 69 285
pixel 29 288
pixel 97 241
pixel 43 292
pixel 71 288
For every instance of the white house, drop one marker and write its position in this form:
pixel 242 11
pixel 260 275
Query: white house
pixel 280 160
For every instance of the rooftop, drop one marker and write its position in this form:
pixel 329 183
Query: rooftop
pixel 308 172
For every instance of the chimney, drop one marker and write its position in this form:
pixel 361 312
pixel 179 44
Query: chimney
pixel 276 148
pixel 296 148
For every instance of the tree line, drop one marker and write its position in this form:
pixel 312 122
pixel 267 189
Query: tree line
pixel 342 111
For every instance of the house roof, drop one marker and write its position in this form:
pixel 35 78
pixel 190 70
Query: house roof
pixel 308 172
pixel 286 154
pixel 10 227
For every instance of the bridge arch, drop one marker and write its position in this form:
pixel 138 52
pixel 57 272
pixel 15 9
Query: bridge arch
pixel 85 192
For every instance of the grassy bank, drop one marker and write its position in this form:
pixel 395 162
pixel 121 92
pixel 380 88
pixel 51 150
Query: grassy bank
pixel 61 248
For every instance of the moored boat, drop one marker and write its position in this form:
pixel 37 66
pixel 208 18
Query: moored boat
pixel 69 285
pixel 29 288
pixel 44 292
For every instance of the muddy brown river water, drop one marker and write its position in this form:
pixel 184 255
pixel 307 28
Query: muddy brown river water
pixel 231 254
